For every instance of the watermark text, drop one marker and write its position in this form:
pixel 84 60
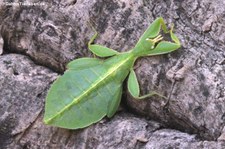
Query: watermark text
pixel 23 4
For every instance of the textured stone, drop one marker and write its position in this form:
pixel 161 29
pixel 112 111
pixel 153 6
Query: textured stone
pixel 1 44
pixel 164 139
pixel 23 88
pixel 192 78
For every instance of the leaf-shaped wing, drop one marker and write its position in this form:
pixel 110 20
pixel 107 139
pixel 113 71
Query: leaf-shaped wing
pixel 84 63
pixel 80 97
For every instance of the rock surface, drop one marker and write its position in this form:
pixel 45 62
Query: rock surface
pixel 23 88
pixel 52 33
pixel 193 77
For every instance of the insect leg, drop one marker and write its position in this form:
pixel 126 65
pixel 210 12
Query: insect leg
pixel 100 50
pixel 134 89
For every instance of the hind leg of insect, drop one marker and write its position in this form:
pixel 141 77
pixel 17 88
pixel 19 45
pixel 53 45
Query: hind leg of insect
pixel 100 50
pixel 134 89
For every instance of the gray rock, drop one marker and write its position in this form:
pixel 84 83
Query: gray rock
pixel 54 32
pixel 192 77
pixel 1 44
pixel 23 88
pixel 164 139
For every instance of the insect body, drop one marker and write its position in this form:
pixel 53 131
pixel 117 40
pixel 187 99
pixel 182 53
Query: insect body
pixel 91 88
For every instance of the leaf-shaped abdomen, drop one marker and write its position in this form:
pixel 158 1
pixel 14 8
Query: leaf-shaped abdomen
pixel 78 98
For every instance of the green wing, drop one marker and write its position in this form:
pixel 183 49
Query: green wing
pixel 81 97
pixel 115 102
pixel 83 63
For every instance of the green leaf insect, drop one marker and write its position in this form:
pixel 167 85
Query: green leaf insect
pixel 91 88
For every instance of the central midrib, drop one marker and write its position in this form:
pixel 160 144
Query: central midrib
pixel 95 84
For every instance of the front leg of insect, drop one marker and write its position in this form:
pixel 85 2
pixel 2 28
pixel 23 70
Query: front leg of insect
pixel 91 89
pixel 146 47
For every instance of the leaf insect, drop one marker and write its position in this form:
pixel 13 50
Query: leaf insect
pixel 91 88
